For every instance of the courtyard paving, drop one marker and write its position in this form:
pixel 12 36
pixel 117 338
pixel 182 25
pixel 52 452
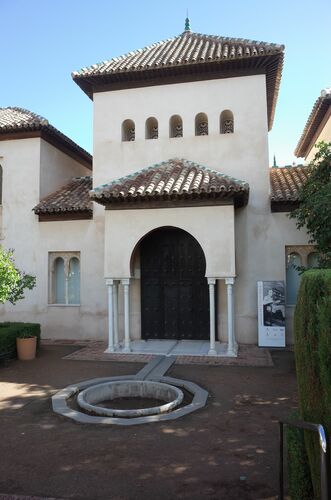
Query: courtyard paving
pixel 227 450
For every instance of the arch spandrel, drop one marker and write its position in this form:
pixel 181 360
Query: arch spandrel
pixel 212 227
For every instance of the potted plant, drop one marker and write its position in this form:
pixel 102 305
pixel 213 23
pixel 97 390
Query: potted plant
pixel 26 344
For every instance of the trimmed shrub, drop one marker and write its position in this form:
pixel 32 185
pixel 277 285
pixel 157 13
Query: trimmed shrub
pixel 312 331
pixel 9 332
pixel 300 485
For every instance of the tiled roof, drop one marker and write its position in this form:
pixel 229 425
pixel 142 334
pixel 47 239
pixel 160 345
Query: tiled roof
pixel 173 180
pixel 285 184
pixel 188 53
pixel 71 198
pixel 12 119
pixel 18 120
pixel 316 117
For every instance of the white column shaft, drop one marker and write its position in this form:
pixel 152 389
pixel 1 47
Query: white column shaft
pixel 127 347
pixel 211 283
pixel 232 345
pixel 115 304
pixel 110 319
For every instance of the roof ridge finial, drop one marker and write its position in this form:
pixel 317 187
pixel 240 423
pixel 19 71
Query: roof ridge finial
pixel 187 22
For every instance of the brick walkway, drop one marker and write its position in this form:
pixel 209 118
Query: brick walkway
pixel 248 355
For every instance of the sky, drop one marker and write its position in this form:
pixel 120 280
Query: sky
pixel 43 41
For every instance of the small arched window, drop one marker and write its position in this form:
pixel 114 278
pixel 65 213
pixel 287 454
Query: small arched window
pixel 292 278
pixel 59 281
pixel 152 128
pixel 226 122
pixel 128 130
pixel 74 281
pixel 201 124
pixel 1 175
pixel 176 126
pixel 64 276
pixel 312 260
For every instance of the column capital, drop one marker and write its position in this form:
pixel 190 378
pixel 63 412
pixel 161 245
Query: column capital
pixel 229 281
pixel 125 281
pixel 211 281
pixel 109 281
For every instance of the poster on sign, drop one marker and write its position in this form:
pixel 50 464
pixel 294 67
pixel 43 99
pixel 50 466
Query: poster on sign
pixel 271 313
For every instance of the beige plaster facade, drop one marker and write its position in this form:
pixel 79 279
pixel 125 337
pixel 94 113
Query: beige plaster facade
pixel 241 245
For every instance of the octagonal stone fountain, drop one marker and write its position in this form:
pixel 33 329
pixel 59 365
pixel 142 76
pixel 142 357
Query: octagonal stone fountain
pixel 109 400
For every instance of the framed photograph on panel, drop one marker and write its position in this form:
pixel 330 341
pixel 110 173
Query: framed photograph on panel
pixel 271 313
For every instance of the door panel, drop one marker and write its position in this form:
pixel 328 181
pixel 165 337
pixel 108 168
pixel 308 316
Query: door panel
pixel 174 291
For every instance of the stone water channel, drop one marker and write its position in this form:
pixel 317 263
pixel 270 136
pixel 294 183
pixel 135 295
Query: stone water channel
pixel 149 396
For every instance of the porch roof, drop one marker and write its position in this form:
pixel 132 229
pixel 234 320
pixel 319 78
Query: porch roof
pixel 176 180
pixel 70 201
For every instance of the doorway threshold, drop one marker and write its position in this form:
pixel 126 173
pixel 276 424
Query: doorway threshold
pixel 175 347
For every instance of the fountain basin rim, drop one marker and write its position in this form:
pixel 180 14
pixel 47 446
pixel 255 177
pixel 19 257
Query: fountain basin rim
pixel 89 397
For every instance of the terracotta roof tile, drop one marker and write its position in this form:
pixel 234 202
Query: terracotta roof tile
pixel 189 50
pixel 319 112
pixel 71 198
pixel 186 48
pixel 175 179
pixel 285 184
pixel 17 120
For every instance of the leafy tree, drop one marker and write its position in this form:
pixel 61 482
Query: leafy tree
pixel 314 211
pixel 12 281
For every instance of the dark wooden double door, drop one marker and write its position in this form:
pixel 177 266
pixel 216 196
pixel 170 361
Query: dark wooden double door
pixel 174 290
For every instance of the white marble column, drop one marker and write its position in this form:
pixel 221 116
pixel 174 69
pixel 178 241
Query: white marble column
pixel 115 307
pixel 126 283
pixel 211 284
pixel 110 285
pixel 232 350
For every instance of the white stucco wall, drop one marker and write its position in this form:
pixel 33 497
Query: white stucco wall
pixel 33 240
pixel 240 154
pixel 57 168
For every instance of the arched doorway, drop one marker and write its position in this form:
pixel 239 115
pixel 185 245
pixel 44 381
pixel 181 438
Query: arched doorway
pixel 174 290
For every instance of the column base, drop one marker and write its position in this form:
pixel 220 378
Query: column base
pixel 109 350
pixel 232 353
pixel 212 352
pixel 126 349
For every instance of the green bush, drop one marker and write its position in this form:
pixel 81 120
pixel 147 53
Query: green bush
pixel 312 332
pixel 300 485
pixel 9 332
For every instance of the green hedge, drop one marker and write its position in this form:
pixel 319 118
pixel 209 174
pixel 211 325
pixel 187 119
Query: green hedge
pixel 9 332
pixel 312 332
pixel 300 485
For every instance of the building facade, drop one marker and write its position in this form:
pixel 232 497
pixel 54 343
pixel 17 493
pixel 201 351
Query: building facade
pixel 182 215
